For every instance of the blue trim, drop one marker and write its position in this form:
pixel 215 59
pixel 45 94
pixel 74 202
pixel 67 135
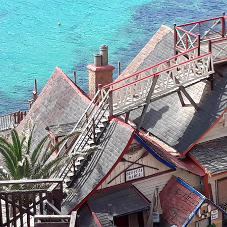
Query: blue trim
pixel 193 213
pixel 152 152
pixel 179 180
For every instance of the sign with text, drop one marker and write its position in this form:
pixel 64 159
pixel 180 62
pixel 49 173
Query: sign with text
pixel 134 174
pixel 214 214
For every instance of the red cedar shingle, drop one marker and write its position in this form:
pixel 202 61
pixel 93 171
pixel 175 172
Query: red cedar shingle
pixel 177 202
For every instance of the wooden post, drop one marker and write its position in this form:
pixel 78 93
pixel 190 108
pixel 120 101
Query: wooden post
pixel 111 102
pixel 27 208
pixel 49 199
pixel 205 186
pixel 127 116
pixel 100 94
pixel 148 99
pixel 74 75
pixel 7 210
pixel 175 38
pixel 181 98
pixel 18 117
pixel 223 24
pixel 1 214
pixel 198 41
pixel 119 68
pixel 35 91
pixel 186 40
pixel 93 130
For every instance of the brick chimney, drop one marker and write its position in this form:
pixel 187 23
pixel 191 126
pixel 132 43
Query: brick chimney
pixel 100 72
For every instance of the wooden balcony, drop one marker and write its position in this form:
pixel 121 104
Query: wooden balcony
pixel 21 200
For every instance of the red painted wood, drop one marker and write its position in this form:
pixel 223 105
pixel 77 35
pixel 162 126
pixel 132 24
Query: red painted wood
pixel 155 74
pixel 94 215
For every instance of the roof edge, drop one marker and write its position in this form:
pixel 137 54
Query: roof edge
pixel 153 153
pixel 143 54
pixel 94 215
pixel 192 145
pixel 199 164
pixel 104 178
pixel 79 91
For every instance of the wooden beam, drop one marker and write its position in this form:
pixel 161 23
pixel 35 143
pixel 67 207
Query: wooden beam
pixel 127 116
pixel 140 164
pixel 143 155
pixel 148 100
pixel 189 97
pixel 31 181
pixel 73 219
pixel 181 98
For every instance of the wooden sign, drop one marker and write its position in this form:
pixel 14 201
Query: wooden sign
pixel 134 174
pixel 214 214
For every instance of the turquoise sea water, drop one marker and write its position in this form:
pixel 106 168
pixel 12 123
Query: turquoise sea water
pixel 32 43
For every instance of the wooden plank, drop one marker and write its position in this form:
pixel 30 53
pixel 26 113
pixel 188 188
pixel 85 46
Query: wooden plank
pixel 41 202
pixel 34 202
pixel 20 202
pixel 1 211
pixel 31 181
pixel 27 207
pixel 14 210
pixel 73 219
pixel 52 224
pixel 7 211
pixel 51 217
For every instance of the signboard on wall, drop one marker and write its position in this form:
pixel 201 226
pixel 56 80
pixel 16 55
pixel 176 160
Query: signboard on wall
pixel 134 174
pixel 214 214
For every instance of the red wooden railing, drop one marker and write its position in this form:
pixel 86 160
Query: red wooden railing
pixel 9 120
pixel 189 35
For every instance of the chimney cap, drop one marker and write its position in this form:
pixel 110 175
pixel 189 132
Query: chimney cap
pixel 103 47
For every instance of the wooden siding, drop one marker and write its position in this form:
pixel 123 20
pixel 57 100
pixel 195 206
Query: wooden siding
pixel 147 186
pixel 113 179
pixel 217 131
pixel 217 221
pixel 213 182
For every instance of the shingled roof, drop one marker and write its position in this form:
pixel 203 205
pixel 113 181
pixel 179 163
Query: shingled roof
pixel 179 201
pixel 212 155
pixel 60 102
pixel 153 52
pixel 118 202
pixel 186 164
pixel 179 127
pixel 114 142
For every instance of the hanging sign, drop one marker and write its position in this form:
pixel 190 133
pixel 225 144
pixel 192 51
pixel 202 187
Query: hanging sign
pixel 134 174
pixel 214 214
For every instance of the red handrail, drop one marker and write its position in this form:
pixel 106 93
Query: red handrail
pixel 201 21
pixel 183 30
pixel 153 74
pixel 125 78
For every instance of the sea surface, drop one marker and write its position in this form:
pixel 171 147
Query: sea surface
pixel 32 43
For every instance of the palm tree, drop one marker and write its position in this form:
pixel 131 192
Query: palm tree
pixel 23 163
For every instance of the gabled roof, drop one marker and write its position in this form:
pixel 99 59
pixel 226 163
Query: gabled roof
pixel 186 164
pixel 153 52
pixel 117 201
pixel 114 142
pixel 60 102
pixel 179 202
pixel 179 127
pixel 85 217
pixel 212 155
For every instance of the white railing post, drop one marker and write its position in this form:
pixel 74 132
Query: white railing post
pixel 111 102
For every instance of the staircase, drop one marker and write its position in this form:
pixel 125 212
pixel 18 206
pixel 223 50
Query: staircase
pixel 129 93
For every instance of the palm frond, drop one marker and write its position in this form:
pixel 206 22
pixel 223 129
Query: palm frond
pixel 17 149
pixel 38 150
